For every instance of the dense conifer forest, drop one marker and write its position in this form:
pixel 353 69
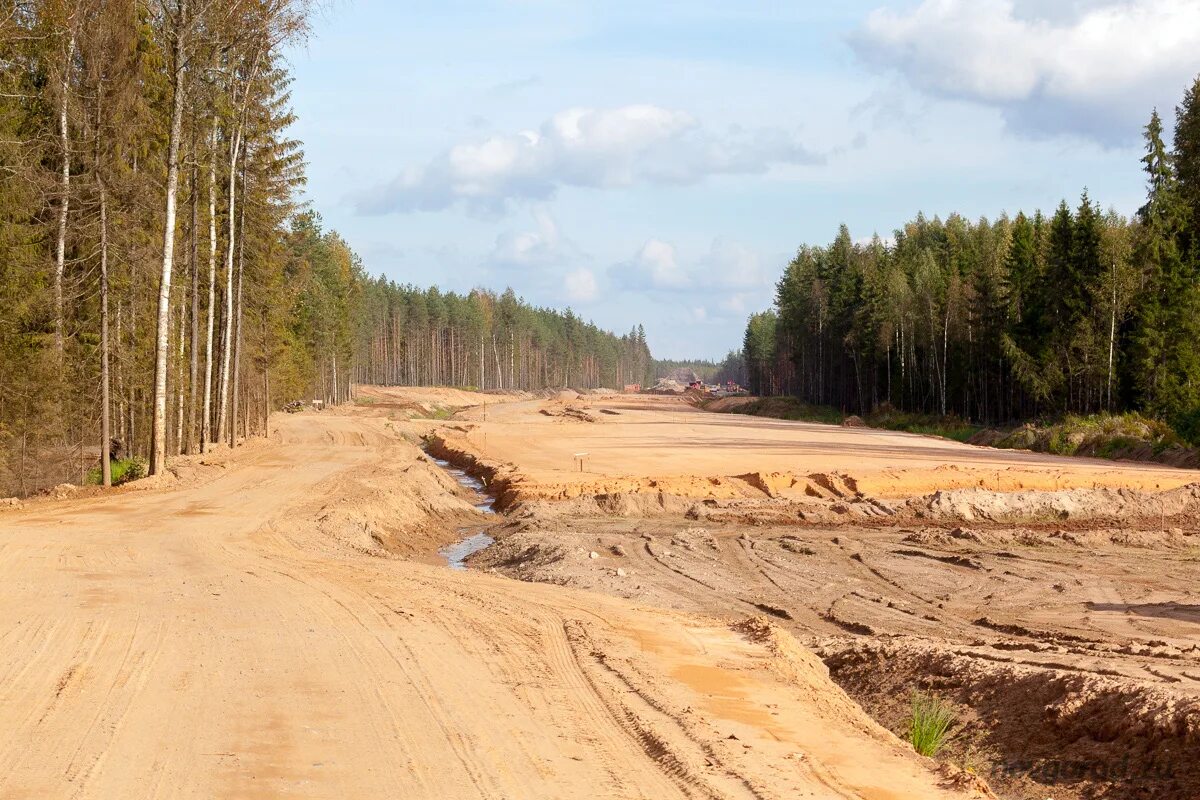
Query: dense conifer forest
pixel 159 285
pixel 1033 315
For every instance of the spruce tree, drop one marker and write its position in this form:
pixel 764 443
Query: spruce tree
pixel 1166 325
pixel 1186 160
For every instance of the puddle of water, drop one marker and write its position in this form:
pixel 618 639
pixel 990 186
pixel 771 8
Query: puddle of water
pixel 483 502
pixel 456 554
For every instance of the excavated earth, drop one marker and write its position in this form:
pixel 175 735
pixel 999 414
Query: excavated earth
pixel 1053 602
pixel 275 622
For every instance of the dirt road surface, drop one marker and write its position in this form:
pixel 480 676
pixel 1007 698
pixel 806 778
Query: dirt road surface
pixel 253 631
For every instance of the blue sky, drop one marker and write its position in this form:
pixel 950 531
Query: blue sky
pixel 659 162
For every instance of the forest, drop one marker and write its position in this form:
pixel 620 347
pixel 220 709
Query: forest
pixel 162 289
pixel 1080 311
pixel 410 337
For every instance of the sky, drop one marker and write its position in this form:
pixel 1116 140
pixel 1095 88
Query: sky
pixel 661 162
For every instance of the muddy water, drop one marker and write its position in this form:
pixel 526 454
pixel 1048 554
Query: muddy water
pixel 456 554
pixel 474 539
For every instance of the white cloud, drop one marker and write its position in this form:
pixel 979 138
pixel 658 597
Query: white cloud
pixel 580 285
pixel 538 248
pixel 734 304
pixel 1092 69
pixel 727 265
pixel 731 265
pixel 654 267
pixel 597 148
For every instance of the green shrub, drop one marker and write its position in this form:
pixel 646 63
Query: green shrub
pixel 929 724
pixel 438 412
pixel 124 470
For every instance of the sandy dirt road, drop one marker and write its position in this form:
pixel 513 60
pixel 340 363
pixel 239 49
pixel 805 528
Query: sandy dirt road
pixel 242 635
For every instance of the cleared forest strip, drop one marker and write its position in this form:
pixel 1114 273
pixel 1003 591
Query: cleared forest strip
pixel 633 455
pixel 255 624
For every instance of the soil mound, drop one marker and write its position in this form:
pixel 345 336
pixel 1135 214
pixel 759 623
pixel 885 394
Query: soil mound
pixel 969 505
pixel 1113 739
pixel 728 403
pixel 567 412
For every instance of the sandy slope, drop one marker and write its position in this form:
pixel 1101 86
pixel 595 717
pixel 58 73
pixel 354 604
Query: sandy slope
pixel 240 636
pixel 632 440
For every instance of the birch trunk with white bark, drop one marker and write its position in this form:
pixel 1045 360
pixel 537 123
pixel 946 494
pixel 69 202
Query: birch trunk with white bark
pixel 180 390
pixel 194 344
pixel 158 434
pixel 64 206
pixel 227 337
pixel 105 402
pixel 206 417
pixel 236 324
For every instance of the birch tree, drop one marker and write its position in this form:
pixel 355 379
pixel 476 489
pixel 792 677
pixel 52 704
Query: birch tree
pixel 178 24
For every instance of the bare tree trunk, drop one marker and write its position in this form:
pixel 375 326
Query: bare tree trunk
pixel 122 431
pixel 180 389
pixel 499 369
pixel 105 422
pixel 60 252
pixel 266 381
pixel 945 355
pixel 105 400
pixel 236 324
pixel 227 338
pixel 158 438
pixel 1112 336
pixel 206 419
pixel 194 377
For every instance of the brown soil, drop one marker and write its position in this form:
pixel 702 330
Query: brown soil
pixel 250 627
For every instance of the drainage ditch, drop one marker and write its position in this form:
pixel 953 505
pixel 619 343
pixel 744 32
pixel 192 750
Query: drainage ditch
pixel 473 538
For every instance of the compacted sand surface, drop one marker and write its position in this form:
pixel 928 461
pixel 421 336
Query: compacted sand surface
pixel 633 438
pixel 1052 601
pixel 264 624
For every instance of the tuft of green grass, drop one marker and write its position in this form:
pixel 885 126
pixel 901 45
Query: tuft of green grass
pixel 929 725
pixel 123 471
pixel 948 427
pixel 438 412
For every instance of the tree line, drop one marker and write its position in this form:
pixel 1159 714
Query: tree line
pixel 146 174
pixel 1081 311
pixel 487 341
pixel 161 291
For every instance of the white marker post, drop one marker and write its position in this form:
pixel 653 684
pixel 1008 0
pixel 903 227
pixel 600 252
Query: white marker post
pixel 579 457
